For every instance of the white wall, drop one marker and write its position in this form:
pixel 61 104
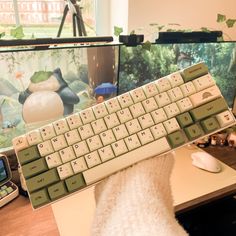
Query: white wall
pixel 190 14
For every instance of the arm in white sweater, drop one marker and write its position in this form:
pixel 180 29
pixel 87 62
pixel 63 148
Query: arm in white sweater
pixel 137 201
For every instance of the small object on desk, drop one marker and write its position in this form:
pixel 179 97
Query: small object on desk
pixel 205 161
pixel 8 190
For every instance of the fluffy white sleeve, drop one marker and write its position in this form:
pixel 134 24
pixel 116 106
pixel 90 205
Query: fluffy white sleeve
pixel 137 201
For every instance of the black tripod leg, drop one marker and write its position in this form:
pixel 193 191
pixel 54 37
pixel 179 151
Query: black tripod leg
pixel 74 24
pixel 66 9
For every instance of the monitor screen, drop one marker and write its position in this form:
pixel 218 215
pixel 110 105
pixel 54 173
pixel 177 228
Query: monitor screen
pixel 41 85
pixel 3 172
pixel 138 66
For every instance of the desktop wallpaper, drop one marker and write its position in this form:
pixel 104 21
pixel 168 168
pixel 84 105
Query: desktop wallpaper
pixel 139 66
pixel 3 174
pixel 39 86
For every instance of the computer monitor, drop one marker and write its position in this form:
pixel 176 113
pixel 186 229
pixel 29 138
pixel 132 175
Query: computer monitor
pixel 138 66
pixel 39 84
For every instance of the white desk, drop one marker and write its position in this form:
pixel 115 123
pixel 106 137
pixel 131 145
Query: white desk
pixel 190 186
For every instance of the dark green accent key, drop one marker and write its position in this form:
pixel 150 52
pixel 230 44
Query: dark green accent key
pixel 57 190
pixel 194 72
pixel 209 109
pixel 75 182
pixel 176 139
pixel 39 198
pixel 193 132
pixel 184 119
pixel 42 180
pixel 28 155
pixel 210 124
pixel 34 168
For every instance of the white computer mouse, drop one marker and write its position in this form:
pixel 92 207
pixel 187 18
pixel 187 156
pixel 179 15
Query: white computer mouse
pixel 205 161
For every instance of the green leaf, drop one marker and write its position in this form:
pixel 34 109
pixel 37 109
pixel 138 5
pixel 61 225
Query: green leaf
pixel 17 32
pixel 40 76
pixel 2 34
pixel 160 27
pixel 230 22
pixel 132 32
pixel 117 30
pixel 147 45
pixel 153 24
pixel 221 18
pixel 204 29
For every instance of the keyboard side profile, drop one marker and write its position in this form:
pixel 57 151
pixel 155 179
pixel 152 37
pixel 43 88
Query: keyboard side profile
pixel 76 152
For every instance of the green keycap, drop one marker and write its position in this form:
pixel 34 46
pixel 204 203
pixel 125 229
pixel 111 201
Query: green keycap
pixel 42 180
pixel 3 193
pixel 34 168
pixel 184 119
pixel 210 125
pixel 176 139
pixel 57 190
pixel 75 182
pixel 9 190
pixel 39 198
pixel 4 187
pixel 194 72
pixel 193 132
pixel 209 109
pixel 28 155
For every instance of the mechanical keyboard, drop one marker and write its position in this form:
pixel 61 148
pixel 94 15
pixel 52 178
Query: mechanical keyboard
pixel 75 152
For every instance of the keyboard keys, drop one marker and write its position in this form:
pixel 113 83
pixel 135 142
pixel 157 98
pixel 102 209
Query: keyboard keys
pixel 65 171
pixel 28 155
pixel 194 131
pixel 75 182
pixel 175 79
pixel 176 139
pixel 42 180
pixel 194 72
pixel 78 165
pixel 203 82
pixel 225 118
pixel 184 119
pixel 210 125
pixel 39 198
pixel 34 168
pixel 101 171
pixel 56 191
pixel 205 96
pixel 209 109
pixel 138 95
pixel 60 126
pixel 71 153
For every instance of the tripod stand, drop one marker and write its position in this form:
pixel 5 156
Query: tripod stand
pixel 77 19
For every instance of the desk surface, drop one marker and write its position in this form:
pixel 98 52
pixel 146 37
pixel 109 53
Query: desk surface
pixel 190 186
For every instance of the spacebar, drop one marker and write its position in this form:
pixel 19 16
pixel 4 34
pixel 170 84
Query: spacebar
pixel 105 169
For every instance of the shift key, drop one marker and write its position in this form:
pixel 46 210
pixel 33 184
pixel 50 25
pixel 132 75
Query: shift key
pixel 209 109
pixel 42 180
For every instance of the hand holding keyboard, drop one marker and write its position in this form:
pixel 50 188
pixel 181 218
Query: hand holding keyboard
pixel 78 151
